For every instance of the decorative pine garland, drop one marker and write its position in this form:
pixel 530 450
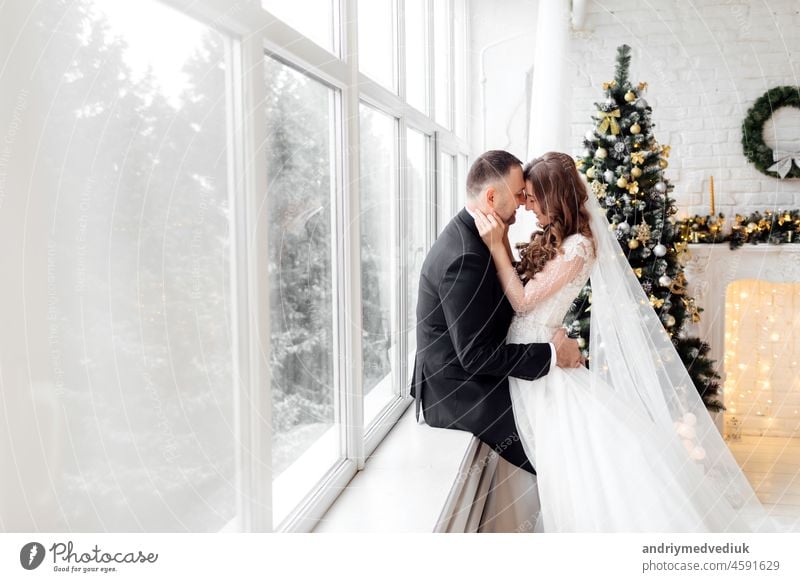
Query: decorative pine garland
pixel 755 150
pixel 781 227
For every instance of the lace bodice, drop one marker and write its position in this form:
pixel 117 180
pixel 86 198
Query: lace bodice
pixel 541 304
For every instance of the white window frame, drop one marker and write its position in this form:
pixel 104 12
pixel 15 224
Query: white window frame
pixel 254 33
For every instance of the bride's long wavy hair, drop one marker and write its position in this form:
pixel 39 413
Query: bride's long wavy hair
pixel 562 196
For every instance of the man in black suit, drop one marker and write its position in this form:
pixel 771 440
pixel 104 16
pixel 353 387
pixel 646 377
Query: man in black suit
pixel 461 370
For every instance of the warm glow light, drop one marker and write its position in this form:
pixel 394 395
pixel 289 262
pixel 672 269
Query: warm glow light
pixel 759 315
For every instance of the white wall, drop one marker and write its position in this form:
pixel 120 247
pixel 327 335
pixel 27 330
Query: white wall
pixel 505 34
pixel 705 62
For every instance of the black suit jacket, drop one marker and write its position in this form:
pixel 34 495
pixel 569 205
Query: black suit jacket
pixel 462 363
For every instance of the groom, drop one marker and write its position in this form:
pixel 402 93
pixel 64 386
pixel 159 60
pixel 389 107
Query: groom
pixel 461 370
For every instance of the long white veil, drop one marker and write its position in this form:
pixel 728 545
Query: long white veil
pixel 631 352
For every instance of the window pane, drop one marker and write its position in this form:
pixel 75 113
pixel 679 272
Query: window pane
pixel 136 396
pixel 416 51
pixel 378 220
pixel 312 18
pixel 301 184
pixel 442 73
pixel 417 205
pixel 461 55
pixel 376 41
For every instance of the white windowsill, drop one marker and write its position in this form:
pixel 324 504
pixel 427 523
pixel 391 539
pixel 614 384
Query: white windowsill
pixel 405 484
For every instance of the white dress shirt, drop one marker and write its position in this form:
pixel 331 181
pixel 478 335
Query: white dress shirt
pixel 552 346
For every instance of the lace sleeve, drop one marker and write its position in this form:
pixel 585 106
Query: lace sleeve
pixel 554 276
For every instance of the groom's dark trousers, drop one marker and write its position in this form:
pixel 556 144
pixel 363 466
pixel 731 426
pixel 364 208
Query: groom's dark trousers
pixel 462 364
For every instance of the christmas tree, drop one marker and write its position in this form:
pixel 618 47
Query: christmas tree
pixel 624 165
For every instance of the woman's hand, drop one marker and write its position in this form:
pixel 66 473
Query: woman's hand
pixel 493 231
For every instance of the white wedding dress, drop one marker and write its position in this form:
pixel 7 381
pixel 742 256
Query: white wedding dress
pixel 605 460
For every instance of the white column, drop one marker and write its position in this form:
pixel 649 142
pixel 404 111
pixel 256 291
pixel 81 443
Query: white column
pixel 550 92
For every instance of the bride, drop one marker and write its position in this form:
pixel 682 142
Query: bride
pixel 626 445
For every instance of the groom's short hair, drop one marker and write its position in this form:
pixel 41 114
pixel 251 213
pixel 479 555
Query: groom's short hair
pixel 490 167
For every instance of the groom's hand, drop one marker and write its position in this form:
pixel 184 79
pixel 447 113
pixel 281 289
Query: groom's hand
pixel 568 354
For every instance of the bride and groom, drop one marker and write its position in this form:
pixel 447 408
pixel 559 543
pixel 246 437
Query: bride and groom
pixel 623 445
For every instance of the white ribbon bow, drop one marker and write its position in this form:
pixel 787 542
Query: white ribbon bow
pixel 783 162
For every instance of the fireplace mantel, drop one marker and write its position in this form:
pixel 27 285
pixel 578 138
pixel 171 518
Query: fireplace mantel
pixel 712 268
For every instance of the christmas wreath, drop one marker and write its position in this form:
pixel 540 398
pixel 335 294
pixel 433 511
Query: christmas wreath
pixel 772 163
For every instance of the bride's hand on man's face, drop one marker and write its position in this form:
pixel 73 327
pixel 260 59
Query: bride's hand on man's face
pixel 491 228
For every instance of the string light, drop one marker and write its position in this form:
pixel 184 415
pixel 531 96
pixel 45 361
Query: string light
pixel 760 314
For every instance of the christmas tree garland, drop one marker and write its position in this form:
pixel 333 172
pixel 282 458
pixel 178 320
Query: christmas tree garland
pixel 625 165
pixel 781 227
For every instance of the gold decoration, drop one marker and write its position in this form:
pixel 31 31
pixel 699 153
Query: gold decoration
pixel 609 85
pixel 636 128
pixel 693 310
pixel 656 302
pixel 665 150
pixel 642 86
pixel 636 171
pixel 638 272
pixel 622 182
pixel 638 157
pixel 630 96
pixel 633 188
pixel 609 120
pixel 599 188
pixel 678 286
pixel 662 163
pixel 643 232
pixel 633 244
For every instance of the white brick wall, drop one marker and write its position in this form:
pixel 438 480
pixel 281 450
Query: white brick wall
pixel 705 61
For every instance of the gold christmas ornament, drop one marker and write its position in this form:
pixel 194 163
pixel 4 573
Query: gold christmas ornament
pixel 636 129
pixel 591 172
pixel 609 85
pixel 656 302
pixel 642 86
pixel 638 272
pixel 630 96
pixel 636 171
pixel 662 163
pixel 622 182
pixel 633 244
pixel 643 232
pixel 633 188
pixel 637 157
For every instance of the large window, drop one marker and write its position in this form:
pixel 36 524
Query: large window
pixel 317 19
pixel 377 41
pixel 219 253
pixel 417 51
pixel 379 258
pixel 442 68
pixel 135 394
pixel 302 177
pixel 418 212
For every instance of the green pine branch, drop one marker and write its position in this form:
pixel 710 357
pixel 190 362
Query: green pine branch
pixel 623 64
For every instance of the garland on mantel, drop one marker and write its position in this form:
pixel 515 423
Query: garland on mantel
pixel 781 227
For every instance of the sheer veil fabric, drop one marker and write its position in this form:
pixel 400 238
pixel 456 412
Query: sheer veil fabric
pixel 632 354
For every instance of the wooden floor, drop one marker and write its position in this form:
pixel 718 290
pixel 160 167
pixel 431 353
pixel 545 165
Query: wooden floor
pixel 772 465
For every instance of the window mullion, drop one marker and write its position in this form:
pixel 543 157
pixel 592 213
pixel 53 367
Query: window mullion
pixel 252 260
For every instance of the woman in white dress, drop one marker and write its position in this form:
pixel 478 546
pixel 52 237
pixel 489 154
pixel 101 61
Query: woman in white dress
pixel 626 445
